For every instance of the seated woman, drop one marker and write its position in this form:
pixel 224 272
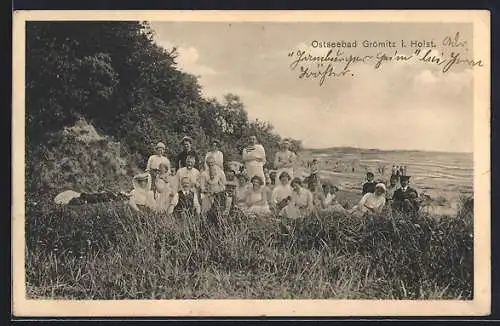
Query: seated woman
pixel 257 197
pixel 329 202
pixel 370 203
pixel 301 203
pixel 240 193
pixel 141 198
pixel 317 194
pixel 281 192
pixel 165 191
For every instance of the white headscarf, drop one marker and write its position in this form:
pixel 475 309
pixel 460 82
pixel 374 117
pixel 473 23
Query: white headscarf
pixel 381 185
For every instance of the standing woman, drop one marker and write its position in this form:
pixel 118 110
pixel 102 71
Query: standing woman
pixel 216 154
pixel 153 165
pixel 254 158
pixel 284 160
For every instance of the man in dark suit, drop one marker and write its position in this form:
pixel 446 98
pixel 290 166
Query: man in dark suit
pixel 405 199
pixel 369 185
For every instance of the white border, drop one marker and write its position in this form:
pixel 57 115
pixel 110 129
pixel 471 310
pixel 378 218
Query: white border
pixel 480 305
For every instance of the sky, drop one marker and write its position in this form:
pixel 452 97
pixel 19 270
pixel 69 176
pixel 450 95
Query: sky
pixel 398 106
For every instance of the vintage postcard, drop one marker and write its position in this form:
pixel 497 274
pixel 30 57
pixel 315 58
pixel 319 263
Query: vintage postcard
pixel 263 163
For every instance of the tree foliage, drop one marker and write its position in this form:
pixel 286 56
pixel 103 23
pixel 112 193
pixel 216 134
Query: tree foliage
pixel 115 76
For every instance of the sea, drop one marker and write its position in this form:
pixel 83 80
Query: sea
pixel 438 174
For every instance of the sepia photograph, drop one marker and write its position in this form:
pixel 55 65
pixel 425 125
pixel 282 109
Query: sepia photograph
pixel 271 158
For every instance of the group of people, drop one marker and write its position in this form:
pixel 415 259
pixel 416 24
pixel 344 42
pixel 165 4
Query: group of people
pixel 214 187
pixel 396 196
pixel 399 170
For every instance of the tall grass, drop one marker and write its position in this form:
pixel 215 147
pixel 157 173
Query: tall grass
pixel 108 252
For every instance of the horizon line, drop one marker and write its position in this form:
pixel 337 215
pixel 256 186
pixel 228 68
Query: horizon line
pixel 386 150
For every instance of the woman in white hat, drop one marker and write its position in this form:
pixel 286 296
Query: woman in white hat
pixel 370 203
pixel 154 162
pixel 141 196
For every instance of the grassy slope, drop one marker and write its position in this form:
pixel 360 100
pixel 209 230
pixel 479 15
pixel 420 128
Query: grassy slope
pixel 106 252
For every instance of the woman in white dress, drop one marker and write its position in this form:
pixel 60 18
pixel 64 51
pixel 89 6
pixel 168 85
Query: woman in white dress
pixel 165 192
pixel 257 197
pixel 282 191
pixel 216 154
pixel 301 203
pixel 284 160
pixel 370 203
pixel 254 158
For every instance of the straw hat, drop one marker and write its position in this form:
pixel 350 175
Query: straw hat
pixel 160 145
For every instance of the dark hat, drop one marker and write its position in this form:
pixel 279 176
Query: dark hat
pixel 404 177
pixel 369 173
pixel 215 140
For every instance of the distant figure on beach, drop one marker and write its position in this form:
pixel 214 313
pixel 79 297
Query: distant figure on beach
pixel 216 154
pixel 398 173
pixel 370 203
pixel 141 197
pixel 284 160
pixel 254 158
pixel 405 199
pixel 401 170
pixel 185 201
pixel 405 170
pixel 369 185
pixel 314 167
pixel 187 150
pixel 393 171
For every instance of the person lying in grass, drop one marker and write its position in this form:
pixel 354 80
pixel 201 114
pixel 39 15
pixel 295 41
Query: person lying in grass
pixel 141 197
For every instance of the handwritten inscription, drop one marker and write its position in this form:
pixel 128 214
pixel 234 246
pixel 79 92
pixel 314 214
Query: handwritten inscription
pixel 341 57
